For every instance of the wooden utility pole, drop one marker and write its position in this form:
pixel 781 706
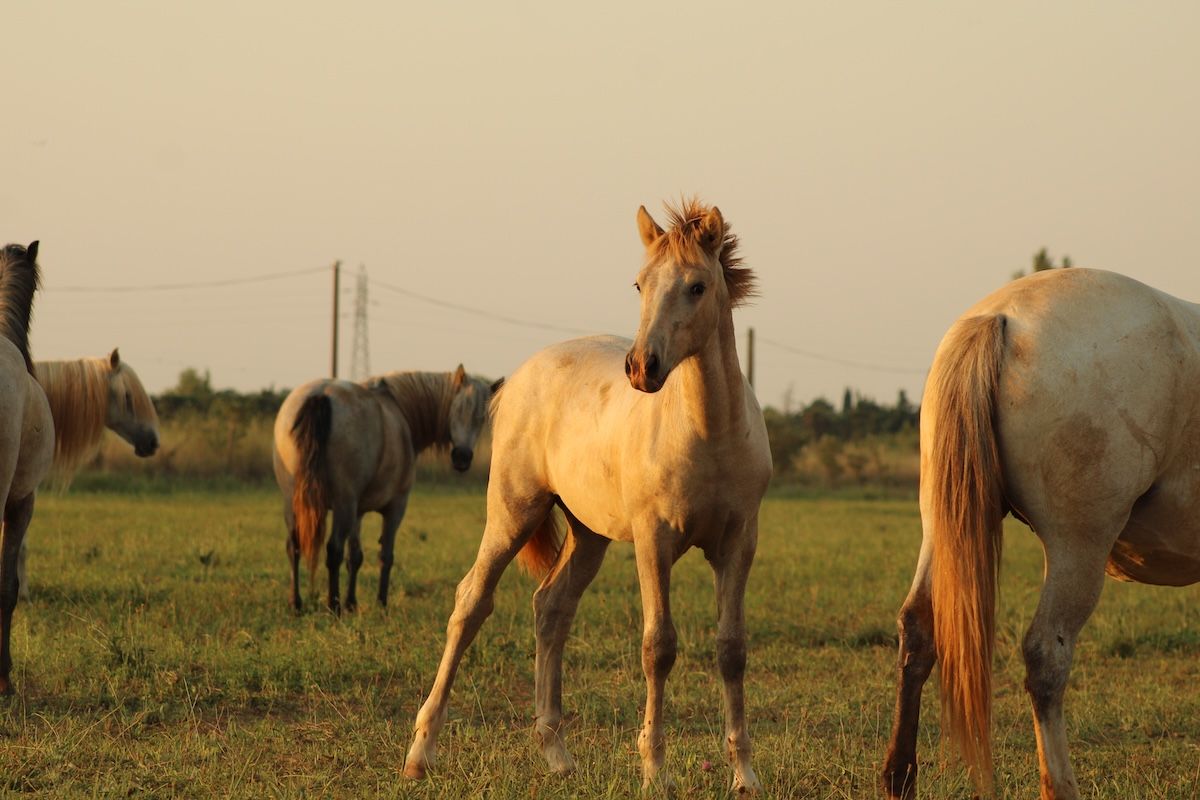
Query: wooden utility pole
pixel 337 274
pixel 750 356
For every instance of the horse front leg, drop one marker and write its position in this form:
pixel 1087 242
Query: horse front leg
pixel 731 569
pixel 654 552
pixel 914 664
pixel 392 517
pixel 17 515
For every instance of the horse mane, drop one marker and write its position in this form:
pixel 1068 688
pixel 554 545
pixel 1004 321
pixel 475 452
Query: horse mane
pixel 682 243
pixel 424 400
pixel 78 393
pixel 19 279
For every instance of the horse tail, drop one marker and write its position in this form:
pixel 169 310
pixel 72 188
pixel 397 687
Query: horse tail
pixel 963 487
pixel 310 497
pixel 538 555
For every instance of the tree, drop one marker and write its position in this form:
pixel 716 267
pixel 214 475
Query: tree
pixel 1042 261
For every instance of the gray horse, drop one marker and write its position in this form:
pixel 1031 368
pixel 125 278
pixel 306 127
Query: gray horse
pixel 352 448
pixel 26 429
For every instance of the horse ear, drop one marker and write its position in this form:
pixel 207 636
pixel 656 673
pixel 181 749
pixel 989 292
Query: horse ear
pixel 114 358
pixel 31 251
pixel 496 386
pixel 712 231
pixel 459 377
pixel 647 227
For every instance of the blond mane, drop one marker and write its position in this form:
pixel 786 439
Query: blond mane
pixel 682 243
pixel 424 398
pixel 78 394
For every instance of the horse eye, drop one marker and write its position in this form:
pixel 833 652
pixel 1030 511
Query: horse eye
pixel 697 289
pixel 129 403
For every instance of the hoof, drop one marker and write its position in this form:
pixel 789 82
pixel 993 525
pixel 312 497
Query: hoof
pixel 746 787
pixel 414 771
pixel 6 687
pixel 661 785
pixel 900 782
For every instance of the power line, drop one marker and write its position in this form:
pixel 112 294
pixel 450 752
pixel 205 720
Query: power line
pixel 167 287
pixel 841 361
pixel 479 312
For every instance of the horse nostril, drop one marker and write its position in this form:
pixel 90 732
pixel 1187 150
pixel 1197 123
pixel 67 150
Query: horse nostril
pixel 652 366
pixel 628 364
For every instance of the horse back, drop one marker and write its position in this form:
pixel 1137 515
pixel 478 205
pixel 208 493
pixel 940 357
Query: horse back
pixel 369 449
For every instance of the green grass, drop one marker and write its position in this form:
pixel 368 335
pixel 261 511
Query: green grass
pixel 157 657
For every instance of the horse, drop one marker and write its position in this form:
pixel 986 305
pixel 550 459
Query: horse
pixel 657 441
pixel 1071 399
pixel 352 448
pixel 26 429
pixel 86 396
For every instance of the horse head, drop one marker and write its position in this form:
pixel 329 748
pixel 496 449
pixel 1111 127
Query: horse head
pixel 131 413
pixel 468 413
pixel 690 279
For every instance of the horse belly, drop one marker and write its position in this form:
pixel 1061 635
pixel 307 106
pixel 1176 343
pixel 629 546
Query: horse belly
pixel 1161 541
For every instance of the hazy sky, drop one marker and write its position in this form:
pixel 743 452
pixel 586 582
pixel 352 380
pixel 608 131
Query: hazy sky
pixel 886 164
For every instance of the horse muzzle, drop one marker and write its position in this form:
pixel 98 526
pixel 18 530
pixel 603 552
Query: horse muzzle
pixel 645 372
pixel 460 458
pixel 146 446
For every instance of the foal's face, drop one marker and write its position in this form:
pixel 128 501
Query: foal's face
pixel 468 413
pixel 683 294
pixel 131 413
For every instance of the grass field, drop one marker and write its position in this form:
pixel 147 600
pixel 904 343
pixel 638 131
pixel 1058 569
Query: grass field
pixel 157 657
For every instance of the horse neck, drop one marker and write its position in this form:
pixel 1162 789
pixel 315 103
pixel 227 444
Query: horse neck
pixel 709 385
pixel 77 393
pixel 424 400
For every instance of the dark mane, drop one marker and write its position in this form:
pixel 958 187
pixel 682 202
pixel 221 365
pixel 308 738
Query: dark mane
pixel 19 279
pixel 682 242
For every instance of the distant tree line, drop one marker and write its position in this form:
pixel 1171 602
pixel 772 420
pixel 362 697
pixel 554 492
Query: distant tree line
pixel 862 442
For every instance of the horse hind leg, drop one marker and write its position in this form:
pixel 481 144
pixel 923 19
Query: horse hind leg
pixel 1074 579
pixel 22 579
pixel 506 532
pixel 17 515
pixel 354 560
pixel 293 552
pixel 915 663
pixel 554 606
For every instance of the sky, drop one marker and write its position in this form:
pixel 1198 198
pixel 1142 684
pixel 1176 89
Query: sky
pixel 885 165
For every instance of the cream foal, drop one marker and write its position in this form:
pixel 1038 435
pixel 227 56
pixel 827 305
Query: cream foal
pixel 659 442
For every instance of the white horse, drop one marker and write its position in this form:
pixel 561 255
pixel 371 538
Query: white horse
pixel 1070 398
pixel 87 396
pixel 659 442
pixel 352 448
pixel 26 430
